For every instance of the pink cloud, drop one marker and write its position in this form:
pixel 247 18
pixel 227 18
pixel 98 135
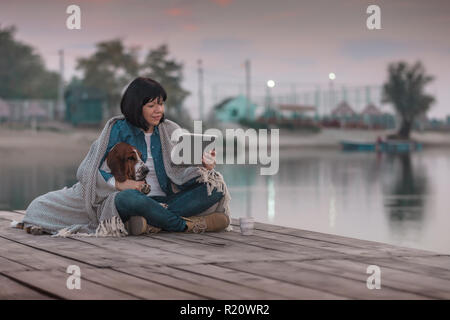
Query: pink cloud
pixel 190 27
pixel 178 12
pixel 277 16
pixel 222 3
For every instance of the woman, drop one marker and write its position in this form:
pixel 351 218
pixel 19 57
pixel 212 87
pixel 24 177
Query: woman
pixel 143 107
pixel 195 198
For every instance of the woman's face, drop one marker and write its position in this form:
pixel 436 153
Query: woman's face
pixel 153 111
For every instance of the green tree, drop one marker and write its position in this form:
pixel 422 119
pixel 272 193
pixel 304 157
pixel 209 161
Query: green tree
pixel 22 71
pixel 109 70
pixel 405 89
pixel 113 66
pixel 169 73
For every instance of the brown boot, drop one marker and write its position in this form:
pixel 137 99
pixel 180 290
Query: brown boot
pixel 35 230
pixel 137 225
pixel 210 223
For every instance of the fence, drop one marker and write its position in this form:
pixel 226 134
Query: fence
pixel 28 110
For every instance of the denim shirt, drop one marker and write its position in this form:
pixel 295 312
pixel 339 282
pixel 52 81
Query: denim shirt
pixel 124 131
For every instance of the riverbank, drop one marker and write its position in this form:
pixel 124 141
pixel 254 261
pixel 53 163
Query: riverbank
pixel 331 138
pixel 79 139
pixel 23 146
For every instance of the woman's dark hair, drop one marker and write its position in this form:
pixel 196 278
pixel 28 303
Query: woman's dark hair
pixel 139 92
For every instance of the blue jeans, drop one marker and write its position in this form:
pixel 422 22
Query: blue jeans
pixel 185 203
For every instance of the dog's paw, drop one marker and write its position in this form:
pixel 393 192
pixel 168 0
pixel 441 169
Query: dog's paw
pixel 145 189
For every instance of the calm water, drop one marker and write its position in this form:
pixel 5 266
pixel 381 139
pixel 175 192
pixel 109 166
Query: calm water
pixel 400 199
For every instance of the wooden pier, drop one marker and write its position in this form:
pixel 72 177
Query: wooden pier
pixel 273 263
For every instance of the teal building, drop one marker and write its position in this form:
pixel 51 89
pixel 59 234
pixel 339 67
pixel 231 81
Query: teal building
pixel 234 109
pixel 84 105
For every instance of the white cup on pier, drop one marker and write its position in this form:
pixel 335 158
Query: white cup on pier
pixel 247 225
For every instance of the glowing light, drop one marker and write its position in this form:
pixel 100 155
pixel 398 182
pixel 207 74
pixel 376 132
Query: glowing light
pixel 271 83
pixel 332 76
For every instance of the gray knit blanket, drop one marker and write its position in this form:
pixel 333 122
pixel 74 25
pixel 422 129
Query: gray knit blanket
pixel 87 208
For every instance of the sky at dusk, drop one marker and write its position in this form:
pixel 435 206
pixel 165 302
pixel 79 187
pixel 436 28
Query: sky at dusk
pixel 289 41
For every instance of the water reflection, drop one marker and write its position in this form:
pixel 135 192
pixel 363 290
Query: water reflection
pixel 270 198
pixel 22 182
pixel 405 199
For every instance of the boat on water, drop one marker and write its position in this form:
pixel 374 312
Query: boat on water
pixel 383 146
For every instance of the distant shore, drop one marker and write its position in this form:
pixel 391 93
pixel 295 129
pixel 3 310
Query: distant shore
pixel 73 139
pixel 23 146
pixel 79 140
pixel 332 137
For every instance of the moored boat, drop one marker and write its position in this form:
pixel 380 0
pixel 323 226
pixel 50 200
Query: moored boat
pixel 384 146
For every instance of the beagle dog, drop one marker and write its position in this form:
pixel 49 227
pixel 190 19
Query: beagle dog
pixel 125 162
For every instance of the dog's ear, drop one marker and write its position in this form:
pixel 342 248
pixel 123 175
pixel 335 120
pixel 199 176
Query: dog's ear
pixel 116 162
pixel 129 170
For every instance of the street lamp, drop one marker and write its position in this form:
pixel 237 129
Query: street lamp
pixel 270 84
pixel 332 77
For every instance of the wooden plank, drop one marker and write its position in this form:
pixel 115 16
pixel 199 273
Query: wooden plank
pixel 209 290
pixel 438 261
pixel 203 285
pixel 10 265
pixel 297 245
pixel 10 216
pixel 436 266
pixel 371 249
pixel 336 239
pixel 128 283
pixel 154 275
pixel 33 258
pixel 390 278
pixel 188 249
pixel 23 250
pixel 287 290
pixel 45 260
pixel 54 282
pixel 333 284
pixel 11 290
pixel 61 247
pixel 136 253
pixel 115 252
pixel 237 251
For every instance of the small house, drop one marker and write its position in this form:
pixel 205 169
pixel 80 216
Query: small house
pixel 344 114
pixel 234 109
pixel 372 116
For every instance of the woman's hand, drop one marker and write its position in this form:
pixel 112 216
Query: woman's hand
pixel 209 159
pixel 129 184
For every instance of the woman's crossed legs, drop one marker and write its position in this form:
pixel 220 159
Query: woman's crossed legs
pixel 185 203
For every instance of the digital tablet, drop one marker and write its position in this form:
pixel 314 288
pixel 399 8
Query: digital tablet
pixel 191 147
